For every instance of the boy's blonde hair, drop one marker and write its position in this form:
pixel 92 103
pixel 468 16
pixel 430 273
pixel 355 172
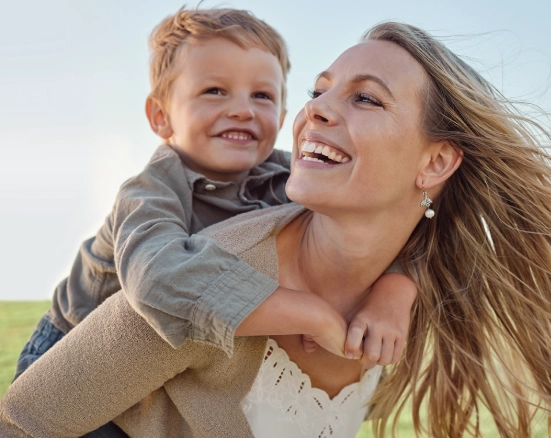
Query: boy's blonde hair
pixel 192 26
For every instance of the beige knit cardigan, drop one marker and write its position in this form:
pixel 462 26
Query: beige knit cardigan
pixel 114 365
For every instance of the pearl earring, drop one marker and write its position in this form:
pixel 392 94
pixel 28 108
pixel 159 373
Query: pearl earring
pixel 426 202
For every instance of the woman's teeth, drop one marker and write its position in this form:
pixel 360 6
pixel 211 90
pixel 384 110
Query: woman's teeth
pixel 310 149
pixel 305 157
pixel 236 135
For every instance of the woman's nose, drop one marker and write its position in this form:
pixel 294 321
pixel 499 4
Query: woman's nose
pixel 319 110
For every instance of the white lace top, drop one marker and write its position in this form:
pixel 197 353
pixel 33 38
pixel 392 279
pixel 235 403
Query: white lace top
pixel 282 402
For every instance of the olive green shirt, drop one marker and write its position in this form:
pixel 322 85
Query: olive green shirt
pixel 184 289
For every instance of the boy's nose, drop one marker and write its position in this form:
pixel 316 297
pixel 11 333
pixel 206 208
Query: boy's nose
pixel 241 109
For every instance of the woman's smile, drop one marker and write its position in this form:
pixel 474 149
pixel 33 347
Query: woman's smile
pixel 322 153
pixel 364 116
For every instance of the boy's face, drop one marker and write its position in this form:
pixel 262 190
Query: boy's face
pixel 225 108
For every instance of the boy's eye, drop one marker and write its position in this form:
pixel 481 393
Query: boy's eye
pixel 262 95
pixel 213 90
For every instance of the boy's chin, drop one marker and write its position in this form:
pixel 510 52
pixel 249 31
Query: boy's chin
pixel 236 163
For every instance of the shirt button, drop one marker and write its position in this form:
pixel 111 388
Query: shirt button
pixel 210 187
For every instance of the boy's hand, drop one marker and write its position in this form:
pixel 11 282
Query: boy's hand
pixel 378 329
pixel 309 344
pixel 332 335
pixel 291 312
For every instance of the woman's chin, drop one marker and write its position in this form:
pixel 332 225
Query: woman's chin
pixel 298 191
pixel 310 196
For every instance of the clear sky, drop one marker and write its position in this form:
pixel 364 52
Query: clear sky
pixel 74 78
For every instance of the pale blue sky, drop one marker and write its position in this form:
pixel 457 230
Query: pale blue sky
pixel 74 78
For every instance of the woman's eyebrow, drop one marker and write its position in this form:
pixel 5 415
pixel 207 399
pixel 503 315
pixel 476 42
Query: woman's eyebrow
pixel 359 78
pixel 325 75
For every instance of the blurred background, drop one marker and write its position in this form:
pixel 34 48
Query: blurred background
pixel 74 78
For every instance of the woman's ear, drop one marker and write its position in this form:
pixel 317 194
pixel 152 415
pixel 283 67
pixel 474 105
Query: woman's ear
pixel 441 162
pixel 158 118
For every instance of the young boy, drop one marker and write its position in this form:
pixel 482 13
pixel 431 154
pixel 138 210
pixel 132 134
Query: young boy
pixel 218 101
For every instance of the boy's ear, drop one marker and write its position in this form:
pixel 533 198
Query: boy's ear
pixel 158 118
pixel 282 117
pixel 440 163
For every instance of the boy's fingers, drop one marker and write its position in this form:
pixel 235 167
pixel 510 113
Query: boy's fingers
pixel 354 338
pixel 398 350
pixel 309 344
pixel 372 350
pixel 387 353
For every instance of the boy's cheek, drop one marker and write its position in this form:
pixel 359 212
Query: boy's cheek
pixel 272 125
pixel 282 115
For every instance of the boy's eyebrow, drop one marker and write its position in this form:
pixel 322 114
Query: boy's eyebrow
pixel 359 78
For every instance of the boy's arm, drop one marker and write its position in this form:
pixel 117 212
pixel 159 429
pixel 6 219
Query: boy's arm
pixel 185 288
pixel 378 330
pixel 290 312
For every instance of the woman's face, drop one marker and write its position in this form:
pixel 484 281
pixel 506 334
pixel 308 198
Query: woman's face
pixel 358 143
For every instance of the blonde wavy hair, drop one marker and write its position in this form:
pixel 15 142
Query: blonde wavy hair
pixel 480 333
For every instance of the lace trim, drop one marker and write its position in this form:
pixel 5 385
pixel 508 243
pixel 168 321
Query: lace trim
pixel 283 385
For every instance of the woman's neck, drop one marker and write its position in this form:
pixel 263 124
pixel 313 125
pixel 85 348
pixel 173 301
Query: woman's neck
pixel 337 259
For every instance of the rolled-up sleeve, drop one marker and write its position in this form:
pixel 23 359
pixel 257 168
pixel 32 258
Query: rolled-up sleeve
pixel 184 288
pixel 227 301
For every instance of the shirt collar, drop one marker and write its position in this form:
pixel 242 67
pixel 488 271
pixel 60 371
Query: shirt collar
pixel 276 164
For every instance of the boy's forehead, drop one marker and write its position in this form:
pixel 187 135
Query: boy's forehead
pixel 194 48
pixel 219 58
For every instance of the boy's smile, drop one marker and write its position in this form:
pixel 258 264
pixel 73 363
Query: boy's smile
pixel 225 108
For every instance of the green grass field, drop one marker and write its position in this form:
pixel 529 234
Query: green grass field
pixel 19 318
pixel 17 321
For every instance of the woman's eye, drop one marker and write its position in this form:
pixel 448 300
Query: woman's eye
pixel 314 93
pixel 366 98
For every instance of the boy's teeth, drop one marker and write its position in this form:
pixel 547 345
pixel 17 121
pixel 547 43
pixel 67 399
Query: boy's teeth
pixel 323 149
pixel 235 135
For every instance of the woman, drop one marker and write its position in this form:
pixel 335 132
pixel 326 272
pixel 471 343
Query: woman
pixel 413 123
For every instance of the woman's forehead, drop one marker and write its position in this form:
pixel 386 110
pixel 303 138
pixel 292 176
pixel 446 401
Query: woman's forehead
pixel 383 59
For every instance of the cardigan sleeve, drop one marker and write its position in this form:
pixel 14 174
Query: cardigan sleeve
pixel 104 366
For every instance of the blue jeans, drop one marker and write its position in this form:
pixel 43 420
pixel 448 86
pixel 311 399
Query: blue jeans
pixel 45 336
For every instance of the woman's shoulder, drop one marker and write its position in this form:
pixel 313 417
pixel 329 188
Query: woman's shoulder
pixel 255 225
pixel 248 235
